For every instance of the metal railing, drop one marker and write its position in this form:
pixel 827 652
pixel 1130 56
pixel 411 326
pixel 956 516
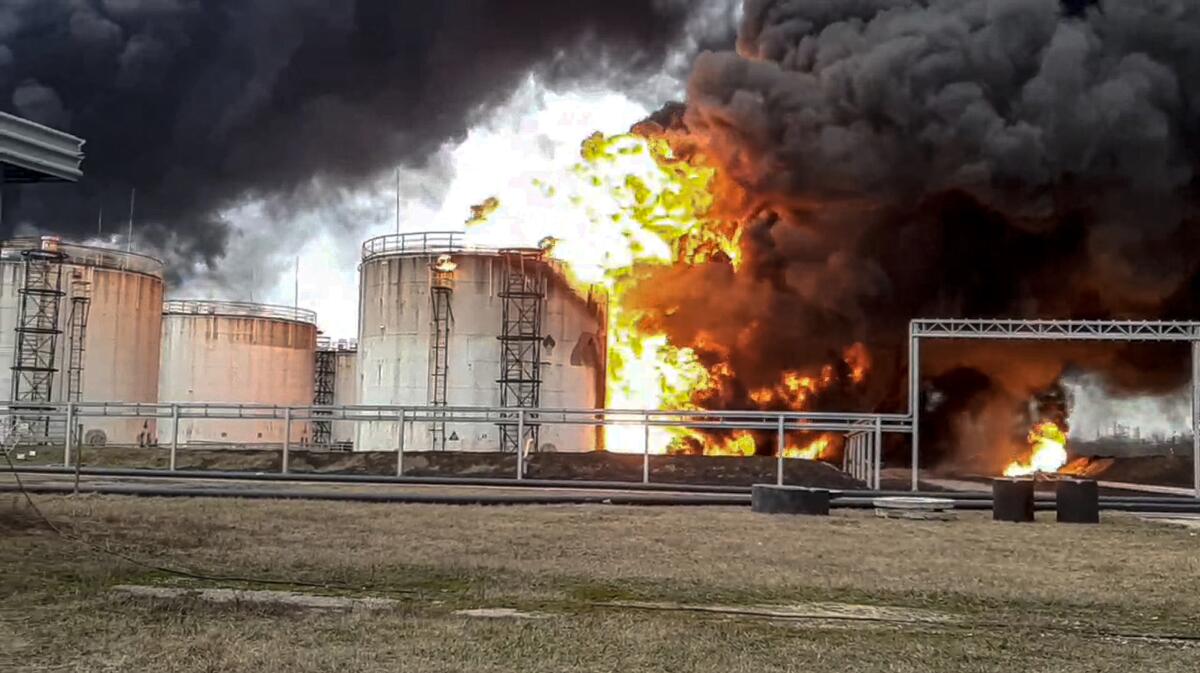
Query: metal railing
pixel 419 243
pixel 430 243
pixel 851 425
pixel 325 343
pixel 238 309
pixel 86 255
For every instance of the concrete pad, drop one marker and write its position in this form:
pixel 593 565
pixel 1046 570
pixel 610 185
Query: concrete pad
pixel 806 611
pixel 500 613
pixel 235 596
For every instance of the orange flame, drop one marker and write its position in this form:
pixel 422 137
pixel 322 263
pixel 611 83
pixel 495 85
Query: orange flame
pixel 633 202
pixel 482 211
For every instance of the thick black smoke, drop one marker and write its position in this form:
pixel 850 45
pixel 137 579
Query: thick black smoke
pixel 947 158
pixel 202 103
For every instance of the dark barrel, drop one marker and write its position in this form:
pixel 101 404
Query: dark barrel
pixel 1078 501
pixel 771 499
pixel 1012 500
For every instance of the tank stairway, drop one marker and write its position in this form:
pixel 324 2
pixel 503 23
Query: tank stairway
pixel 524 294
pixel 34 362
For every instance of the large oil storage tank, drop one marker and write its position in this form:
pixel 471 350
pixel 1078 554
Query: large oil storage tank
pixel 81 324
pixel 444 324
pixel 223 352
pixel 336 384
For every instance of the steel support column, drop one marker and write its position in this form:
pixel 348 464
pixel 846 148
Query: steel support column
pixel 914 402
pixel 1196 418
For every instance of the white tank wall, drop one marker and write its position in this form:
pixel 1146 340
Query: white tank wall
pixel 345 393
pixel 124 332
pixel 394 347
pixel 238 360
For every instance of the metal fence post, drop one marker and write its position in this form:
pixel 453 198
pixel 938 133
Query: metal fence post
pixel 863 458
pixel 174 434
pixel 779 449
pixel 878 462
pixel 854 457
pixel 646 450
pixel 400 446
pixel 860 455
pixel 520 444
pixel 287 438
pixel 69 440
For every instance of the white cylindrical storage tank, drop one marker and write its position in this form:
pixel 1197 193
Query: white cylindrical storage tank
pixel 116 300
pixel 236 353
pixel 441 324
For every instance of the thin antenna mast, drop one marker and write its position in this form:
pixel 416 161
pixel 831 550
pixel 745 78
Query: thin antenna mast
pixel 129 236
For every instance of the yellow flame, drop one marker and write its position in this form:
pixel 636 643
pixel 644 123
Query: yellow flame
pixel 643 206
pixel 1048 445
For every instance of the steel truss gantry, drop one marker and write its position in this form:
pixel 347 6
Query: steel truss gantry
pixel 1050 330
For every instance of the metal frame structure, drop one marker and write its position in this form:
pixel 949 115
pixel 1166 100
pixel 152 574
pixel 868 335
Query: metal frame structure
pixel 523 293
pixel 1050 330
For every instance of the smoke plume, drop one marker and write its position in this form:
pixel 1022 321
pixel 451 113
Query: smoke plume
pixel 892 159
pixel 204 105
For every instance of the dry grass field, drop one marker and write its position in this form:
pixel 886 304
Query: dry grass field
pixel 610 589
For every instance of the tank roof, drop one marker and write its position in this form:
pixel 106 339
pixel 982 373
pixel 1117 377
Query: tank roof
pixel 429 243
pixel 238 309
pixel 85 255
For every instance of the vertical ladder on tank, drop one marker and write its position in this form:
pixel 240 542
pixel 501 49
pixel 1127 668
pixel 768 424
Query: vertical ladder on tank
pixel 77 322
pixel 81 302
pixel 324 373
pixel 441 292
pixel 523 292
pixel 37 340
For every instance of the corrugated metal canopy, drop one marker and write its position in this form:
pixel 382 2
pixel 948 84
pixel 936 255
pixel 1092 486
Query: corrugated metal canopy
pixel 30 152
